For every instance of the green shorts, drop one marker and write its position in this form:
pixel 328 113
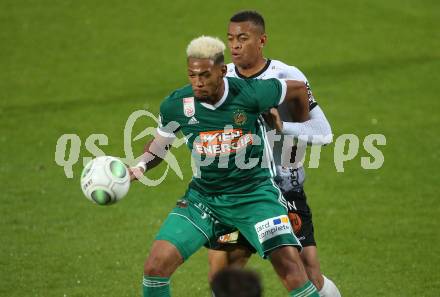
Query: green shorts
pixel 199 220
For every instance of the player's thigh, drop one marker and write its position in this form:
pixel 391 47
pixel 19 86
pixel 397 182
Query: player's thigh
pixel 185 229
pixel 231 250
pixel 267 225
pixel 218 259
pixel 231 254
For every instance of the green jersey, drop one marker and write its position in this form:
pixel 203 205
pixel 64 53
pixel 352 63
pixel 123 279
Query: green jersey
pixel 227 139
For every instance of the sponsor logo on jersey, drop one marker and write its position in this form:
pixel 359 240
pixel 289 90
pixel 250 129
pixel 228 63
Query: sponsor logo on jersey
pixel 220 142
pixel 273 227
pixel 240 117
pixel 188 106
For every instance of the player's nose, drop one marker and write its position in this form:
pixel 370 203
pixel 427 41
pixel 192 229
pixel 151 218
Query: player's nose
pixel 199 83
pixel 234 44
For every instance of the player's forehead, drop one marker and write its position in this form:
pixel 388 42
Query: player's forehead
pixel 197 65
pixel 243 28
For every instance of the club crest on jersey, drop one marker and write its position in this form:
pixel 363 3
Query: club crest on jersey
pixel 188 107
pixel 240 117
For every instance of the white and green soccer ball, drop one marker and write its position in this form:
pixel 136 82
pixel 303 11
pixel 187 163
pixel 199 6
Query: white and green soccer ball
pixel 105 180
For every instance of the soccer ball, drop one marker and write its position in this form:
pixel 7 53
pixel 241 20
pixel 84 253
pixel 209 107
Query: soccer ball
pixel 105 180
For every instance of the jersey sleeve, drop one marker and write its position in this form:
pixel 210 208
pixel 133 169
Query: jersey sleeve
pixel 268 93
pixel 167 127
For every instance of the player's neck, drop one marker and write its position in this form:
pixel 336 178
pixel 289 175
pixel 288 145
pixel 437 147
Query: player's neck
pixel 251 70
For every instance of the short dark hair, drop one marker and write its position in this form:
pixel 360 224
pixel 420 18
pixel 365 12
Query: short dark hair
pixel 249 16
pixel 219 59
pixel 233 282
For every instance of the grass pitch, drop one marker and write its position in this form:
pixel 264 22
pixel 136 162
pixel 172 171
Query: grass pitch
pixel 83 67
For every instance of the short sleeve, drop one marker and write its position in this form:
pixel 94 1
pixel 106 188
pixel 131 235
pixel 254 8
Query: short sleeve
pixel 268 93
pixel 167 127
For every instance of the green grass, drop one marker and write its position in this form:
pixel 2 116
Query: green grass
pixel 84 66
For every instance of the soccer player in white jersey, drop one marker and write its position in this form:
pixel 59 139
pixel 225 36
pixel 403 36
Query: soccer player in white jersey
pixel 246 39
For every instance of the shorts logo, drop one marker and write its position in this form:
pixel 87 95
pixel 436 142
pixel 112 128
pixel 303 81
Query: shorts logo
pixel 213 143
pixel 273 227
pixel 228 238
pixel 295 221
pixel 188 106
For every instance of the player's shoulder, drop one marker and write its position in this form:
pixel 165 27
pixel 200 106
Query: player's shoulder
pixel 176 97
pixel 248 87
pixel 235 83
pixel 286 71
pixel 238 83
pixel 183 92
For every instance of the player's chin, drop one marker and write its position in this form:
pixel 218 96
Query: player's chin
pixel 236 59
pixel 201 97
pixel 242 63
pixel 199 94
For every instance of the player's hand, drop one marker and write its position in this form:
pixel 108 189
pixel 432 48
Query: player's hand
pixel 135 173
pixel 273 119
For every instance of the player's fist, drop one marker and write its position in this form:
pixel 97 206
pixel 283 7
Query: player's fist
pixel 273 119
pixel 135 173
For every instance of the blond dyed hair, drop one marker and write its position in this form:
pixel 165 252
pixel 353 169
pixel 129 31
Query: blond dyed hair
pixel 206 47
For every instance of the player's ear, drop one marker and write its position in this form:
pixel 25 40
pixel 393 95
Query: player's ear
pixel 224 70
pixel 263 40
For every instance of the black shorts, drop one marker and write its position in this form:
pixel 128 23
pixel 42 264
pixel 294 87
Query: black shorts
pixel 300 217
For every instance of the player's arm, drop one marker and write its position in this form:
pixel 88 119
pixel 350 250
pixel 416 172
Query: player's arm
pixel 317 129
pixel 272 92
pixel 297 100
pixel 154 152
pixel 310 124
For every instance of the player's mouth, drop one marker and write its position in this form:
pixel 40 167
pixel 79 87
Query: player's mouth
pixel 200 92
pixel 235 55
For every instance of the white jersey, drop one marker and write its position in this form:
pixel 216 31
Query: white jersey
pixel 288 178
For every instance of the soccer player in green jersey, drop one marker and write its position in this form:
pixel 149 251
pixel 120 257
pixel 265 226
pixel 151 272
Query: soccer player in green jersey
pixel 246 40
pixel 233 188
